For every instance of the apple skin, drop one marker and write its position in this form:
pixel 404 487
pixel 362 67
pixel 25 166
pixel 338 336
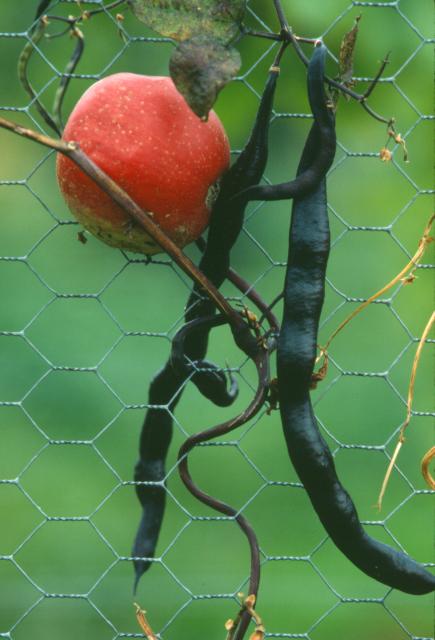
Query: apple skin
pixel 142 133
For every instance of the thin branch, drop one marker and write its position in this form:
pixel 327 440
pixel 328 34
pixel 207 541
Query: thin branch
pixel 306 40
pixel 66 76
pixel 274 302
pixel 361 98
pixel 107 7
pixel 252 295
pixel 247 605
pixel 59 34
pixel 127 204
pixel 248 290
pixel 290 36
pixel 377 77
pixel 85 15
pixel 287 34
pixel 70 20
pixel 46 141
pixel 375 115
pixel 268 35
pixel 281 15
pixel 23 63
pixel 277 61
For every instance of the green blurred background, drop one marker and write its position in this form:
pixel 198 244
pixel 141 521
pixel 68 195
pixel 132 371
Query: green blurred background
pixel 83 328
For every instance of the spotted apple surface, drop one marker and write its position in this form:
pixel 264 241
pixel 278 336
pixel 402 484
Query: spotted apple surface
pixel 141 132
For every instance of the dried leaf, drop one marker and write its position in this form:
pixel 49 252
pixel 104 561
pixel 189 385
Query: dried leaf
pixel 409 279
pixel 409 402
pixel 143 623
pixel 318 376
pixel 184 19
pixel 399 140
pixel 385 155
pixel 347 51
pixel 427 459
pixel 200 68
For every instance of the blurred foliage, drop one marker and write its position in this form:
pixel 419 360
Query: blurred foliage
pixel 44 297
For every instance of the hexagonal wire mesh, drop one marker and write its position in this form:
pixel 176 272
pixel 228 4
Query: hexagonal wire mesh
pixel 84 327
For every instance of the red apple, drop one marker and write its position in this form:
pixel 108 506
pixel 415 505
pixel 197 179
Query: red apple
pixel 141 132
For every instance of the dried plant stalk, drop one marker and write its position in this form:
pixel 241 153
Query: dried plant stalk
pixel 408 410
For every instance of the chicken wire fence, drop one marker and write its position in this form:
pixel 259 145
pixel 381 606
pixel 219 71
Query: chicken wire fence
pixel 84 327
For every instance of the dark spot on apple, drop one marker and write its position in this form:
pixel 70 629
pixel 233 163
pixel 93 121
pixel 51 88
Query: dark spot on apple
pixel 81 237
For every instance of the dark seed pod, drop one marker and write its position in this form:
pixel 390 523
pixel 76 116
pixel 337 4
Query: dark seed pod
pixel 311 457
pixel 309 178
pixel 154 443
pixel 211 382
pixel 166 388
pixel 42 8
pixel 227 216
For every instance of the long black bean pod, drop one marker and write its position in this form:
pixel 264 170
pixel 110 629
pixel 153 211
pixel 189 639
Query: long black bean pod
pixel 228 215
pixel 166 388
pixel 66 77
pixel 42 8
pixel 311 457
pixel 308 178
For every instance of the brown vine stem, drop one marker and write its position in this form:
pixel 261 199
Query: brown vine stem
pixel 66 76
pixel 401 439
pixel 248 290
pixel 287 34
pixel 72 151
pixel 260 357
pixel 143 623
pixel 248 606
pixel 281 15
pixel 107 7
pixel 377 77
pixel 87 13
pixel 270 35
pixel 23 63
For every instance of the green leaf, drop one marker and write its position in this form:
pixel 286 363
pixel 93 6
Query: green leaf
pixel 185 19
pixel 200 68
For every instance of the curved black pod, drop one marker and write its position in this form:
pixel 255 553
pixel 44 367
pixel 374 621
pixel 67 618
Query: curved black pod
pixel 311 457
pixel 166 387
